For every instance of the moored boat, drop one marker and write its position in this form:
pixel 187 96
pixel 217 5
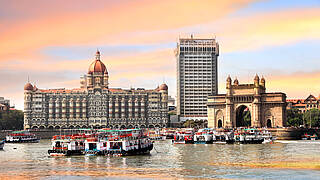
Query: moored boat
pixel 2 142
pixel 66 145
pixel 22 137
pixel 184 137
pixel 203 136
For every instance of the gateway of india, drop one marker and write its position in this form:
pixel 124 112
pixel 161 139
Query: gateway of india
pixel 262 109
pixel 95 105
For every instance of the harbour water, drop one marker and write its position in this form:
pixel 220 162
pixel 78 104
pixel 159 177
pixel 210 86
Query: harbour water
pixel 285 160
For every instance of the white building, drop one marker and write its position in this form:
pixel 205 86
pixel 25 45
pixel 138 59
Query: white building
pixel 197 76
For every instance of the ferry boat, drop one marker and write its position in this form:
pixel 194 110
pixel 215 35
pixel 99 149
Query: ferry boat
pixel 314 137
pixel 203 136
pixel 184 137
pixel 156 135
pixel 267 137
pixel 118 143
pixel 22 137
pixel 248 136
pixel 2 144
pixel 66 145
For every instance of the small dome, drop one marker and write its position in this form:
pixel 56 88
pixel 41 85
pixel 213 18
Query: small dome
pixel 163 87
pixel 97 65
pixel 28 87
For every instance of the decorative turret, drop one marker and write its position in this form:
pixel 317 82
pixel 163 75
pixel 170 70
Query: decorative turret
pixel 256 80
pixel 229 80
pixel 28 87
pixel 263 82
pixel 236 82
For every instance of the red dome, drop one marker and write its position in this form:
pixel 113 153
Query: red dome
pixel 163 87
pixel 97 65
pixel 28 87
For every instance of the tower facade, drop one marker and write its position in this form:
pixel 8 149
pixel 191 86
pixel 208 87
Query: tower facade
pixel 197 76
pixel 95 104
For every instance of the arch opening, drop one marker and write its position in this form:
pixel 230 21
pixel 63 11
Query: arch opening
pixel 220 123
pixel 269 124
pixel 243 116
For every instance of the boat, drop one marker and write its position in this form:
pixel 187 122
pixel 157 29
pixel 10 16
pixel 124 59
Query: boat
pixel 267 137
pixel 125 143
pixel 184 137
pixel 66 145
pixel 248 136
pixel 314 137
pixel 156 135
pixel 203 136
pixel 2 142
pixel 22 137
pixel 306 136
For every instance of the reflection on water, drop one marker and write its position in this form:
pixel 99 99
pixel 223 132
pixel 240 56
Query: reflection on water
pixel 296 160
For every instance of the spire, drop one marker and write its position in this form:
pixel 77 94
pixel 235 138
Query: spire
pixel 98 55
pixel 28 79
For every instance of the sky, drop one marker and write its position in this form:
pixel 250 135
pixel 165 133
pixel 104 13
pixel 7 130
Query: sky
pixel 54 42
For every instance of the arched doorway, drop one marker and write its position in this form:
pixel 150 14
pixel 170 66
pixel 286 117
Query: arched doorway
pixel 220 123
pixel 269 124
pixel 243 116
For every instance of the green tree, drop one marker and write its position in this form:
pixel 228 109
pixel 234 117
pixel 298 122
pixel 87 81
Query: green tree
pixel 294 117
pixel 11 120
pixel 312 116
pixel 189 124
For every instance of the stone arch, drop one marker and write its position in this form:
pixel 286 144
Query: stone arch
pixel 71 127
pixel 34 127
pixel 50 127
pixel 142 126
pixel 84 127
pixel 269 123
pixel 57 127
pixel 77 127
pixel 151 126
pixel 220 125
pixel 243 116
pixel 219 116
pixel 116 127
pixel 130 126
pixel 122 127
pixel 158 126
pixel 42 127
pixel 110 126
pixel 136 126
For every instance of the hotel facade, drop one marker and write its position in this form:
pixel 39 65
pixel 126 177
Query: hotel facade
pixel 95 105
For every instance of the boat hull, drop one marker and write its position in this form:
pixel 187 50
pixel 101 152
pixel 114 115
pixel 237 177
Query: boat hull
pixel 24 141
pixel 64 153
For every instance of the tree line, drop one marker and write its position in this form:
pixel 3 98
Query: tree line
pixel 295 118
pixel 11 120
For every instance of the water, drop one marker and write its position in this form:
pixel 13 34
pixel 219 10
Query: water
pixel 285 160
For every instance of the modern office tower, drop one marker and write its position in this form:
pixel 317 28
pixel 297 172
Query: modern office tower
pixel 197 76
pixel 95 104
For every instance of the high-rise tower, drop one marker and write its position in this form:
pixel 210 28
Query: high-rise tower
pixel 197 76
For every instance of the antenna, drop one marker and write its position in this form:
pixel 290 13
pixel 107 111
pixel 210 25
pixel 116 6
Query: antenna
pixel 28 79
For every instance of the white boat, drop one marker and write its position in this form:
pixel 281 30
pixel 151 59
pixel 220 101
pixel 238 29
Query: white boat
pixel 203 136
pixel 66 145
pixel 22 137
